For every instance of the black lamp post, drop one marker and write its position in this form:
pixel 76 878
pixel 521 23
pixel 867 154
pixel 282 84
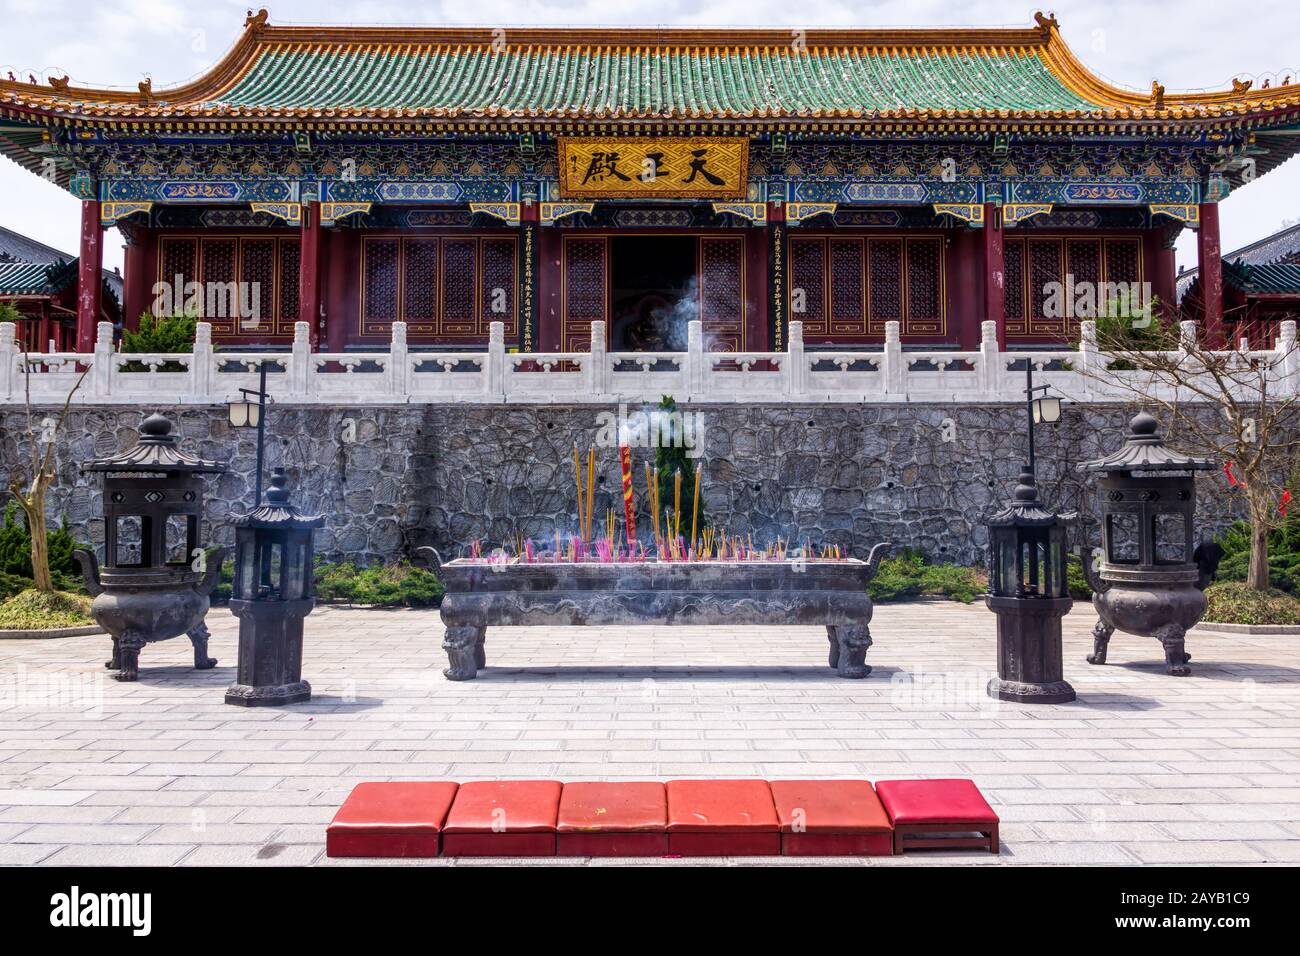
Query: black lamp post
pixel 1027 579
pixel 272 592
pixel 246 413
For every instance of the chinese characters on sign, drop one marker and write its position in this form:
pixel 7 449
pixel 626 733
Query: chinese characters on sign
pixel 654 167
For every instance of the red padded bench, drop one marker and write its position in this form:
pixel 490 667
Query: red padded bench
pixel 722 818
pixel 612 819
pixel 390 819
pixel 503 818
pixel 683 817
pixel 938 815
pixel 831 818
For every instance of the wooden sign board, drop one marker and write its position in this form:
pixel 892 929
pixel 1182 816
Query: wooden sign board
pixel 654 167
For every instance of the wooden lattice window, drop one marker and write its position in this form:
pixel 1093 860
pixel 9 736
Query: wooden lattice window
pixel 1057 269
pixel 851 286
pixel 249 283
pixel 808 284
pixel 442 286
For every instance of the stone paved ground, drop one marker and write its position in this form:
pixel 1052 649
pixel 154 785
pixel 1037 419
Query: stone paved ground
pixel 1143 768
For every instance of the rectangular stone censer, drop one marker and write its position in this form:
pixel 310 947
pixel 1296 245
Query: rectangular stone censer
pixel 824 593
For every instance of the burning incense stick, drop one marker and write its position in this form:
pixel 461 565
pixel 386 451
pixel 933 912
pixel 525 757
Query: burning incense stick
pixel 591 490
pixel 677 504
pixel 695 508
pixel 577 481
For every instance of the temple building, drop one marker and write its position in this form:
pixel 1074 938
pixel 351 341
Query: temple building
pixel 546 178
pixel 40 282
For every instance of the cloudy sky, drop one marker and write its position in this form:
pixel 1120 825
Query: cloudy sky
pixel 1194 44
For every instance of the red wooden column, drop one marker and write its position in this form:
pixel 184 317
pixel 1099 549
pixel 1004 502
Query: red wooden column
pixel 90 281
pixel 136 287
pixel 1208 252
pixel 994 272
pixel 309 272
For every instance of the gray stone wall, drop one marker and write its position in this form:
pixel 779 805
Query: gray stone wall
pixel 448 474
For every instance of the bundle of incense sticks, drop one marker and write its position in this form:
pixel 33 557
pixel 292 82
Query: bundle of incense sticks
pixel 585 502
pixel 713 544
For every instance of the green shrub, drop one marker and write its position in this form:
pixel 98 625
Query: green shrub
pixel 1075 581
pixel 16 550
pixel 380 585
pixel 170 334
pixel 1283 549
pixel 9 313
pixel 11 584
pixel 910 575
pixel 36 610
pixel 1231 602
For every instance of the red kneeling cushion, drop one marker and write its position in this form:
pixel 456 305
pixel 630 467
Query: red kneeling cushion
pixel 831 818
pixel 398 819
pixel 503 818
pixel 612 819
pixel 934 801
pixel 722 818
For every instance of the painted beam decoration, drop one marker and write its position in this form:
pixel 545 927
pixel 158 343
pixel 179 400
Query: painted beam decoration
pixel 654 167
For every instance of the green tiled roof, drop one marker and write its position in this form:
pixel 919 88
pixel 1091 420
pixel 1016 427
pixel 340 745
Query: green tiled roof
pixel 24 278
pixel 603 81
pixel 1272 279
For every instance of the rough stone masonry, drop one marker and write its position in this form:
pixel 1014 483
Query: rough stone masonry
pixel 391 478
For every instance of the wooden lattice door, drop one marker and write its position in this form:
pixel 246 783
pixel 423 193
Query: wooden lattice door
pixel 585 290
pixel 721 273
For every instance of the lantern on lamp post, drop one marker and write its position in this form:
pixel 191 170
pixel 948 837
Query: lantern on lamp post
pixel 272 592
pixel 249 411
pixel 1029 595
pixel 1027 577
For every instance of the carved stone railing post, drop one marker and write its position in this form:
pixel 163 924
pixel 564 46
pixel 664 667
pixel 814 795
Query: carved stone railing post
pixel 1090 359
pixel 1187 335
pixel 101 374
pixel 496 362
pixel 1288 361
pixel 8 357
pixel 796 371
pixel 598 374
pixel 397 354
pixel 990 370
pixel 302 374
pixel 696 357
pixel 891 363
pixel 201 362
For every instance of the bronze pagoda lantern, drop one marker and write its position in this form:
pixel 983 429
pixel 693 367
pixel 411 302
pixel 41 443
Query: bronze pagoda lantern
pixel 274 589
pixel 156 578
pixel 1028 593
pixel 1149 580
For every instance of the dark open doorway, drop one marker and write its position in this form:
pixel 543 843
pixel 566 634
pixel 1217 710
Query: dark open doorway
pixel 653 292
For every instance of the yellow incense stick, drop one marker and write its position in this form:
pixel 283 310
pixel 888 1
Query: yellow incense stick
pixel 677 504
pixel 695 508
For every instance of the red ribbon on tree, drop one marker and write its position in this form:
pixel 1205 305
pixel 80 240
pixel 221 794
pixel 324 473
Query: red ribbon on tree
pixel 1232 479
pixel 1286 500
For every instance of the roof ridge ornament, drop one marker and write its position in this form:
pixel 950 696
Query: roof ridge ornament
pixel 1047 23
pixel 1158 94
pixel 146 91
pixel 257 20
